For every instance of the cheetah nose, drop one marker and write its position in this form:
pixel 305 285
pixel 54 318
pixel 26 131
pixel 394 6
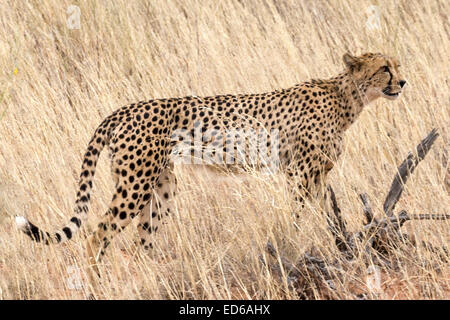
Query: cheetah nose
pixel 402 83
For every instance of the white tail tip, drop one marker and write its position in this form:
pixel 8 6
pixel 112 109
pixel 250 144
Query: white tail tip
pixel 22 222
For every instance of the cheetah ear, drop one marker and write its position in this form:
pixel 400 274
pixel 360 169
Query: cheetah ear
pixel 350 61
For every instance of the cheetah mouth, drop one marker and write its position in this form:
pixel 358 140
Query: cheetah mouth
pixel 390 95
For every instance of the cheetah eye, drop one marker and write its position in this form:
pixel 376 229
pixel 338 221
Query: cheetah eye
pixel 385 69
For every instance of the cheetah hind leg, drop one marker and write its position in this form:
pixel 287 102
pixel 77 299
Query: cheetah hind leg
pixel 125 206
pixel 160 206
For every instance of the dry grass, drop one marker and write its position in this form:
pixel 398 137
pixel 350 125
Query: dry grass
pixel 126 51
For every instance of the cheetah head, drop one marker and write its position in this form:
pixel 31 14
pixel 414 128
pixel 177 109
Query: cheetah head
pixel 376 74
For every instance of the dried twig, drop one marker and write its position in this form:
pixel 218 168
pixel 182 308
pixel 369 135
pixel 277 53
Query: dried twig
pixel 378 236
pixel 286 264
pixel 367 208
pixel 405 170
pixel 336 223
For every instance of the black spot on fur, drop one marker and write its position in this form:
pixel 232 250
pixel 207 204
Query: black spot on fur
pixel 76 221
pixel 68 232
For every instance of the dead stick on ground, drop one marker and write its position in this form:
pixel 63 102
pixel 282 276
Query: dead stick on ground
pixel 367 208
pixel 405 170
pixel 380 235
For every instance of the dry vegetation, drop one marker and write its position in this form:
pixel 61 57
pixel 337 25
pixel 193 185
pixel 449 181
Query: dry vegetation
pixel 57 84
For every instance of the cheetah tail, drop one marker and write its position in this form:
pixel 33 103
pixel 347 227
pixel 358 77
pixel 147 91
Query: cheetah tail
pixel 97 143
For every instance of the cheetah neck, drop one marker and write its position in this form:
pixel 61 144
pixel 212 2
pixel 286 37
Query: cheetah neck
pixel 352 98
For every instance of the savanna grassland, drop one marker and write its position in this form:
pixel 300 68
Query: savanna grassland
pixel 58 83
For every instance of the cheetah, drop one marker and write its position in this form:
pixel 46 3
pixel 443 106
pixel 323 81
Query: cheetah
pixel 309 120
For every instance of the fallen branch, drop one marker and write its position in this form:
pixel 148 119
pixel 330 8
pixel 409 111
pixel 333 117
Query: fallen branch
pixel 378 237
pixel 367 208
pixel 336 223
pixel 406 169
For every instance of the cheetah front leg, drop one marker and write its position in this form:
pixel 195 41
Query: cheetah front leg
pixel 160 205
pixel 308 187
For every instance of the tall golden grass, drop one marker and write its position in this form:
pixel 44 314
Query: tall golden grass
pixel 57 84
